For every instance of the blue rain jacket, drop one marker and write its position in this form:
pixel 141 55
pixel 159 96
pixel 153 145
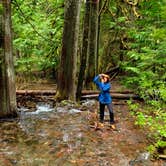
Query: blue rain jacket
pixel 104 96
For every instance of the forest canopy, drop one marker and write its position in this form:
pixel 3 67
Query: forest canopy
pixel 37 34
pixel 132 36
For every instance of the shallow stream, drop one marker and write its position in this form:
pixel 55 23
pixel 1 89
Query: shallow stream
pixel 66 135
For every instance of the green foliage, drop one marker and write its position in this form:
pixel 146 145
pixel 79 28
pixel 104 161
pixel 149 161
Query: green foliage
pixel 141 119
pixel 145 61
pixel 133 106
pixel 37 34
pixel 1 8
pixel 154 121
pixel 141 43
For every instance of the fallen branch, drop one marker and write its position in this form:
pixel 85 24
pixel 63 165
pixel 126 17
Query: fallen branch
pixel 88 92
pixel 114 96
pixel 113 70
pixel 35 92
pixel 85 94
pixel 53 92
pixel 162 156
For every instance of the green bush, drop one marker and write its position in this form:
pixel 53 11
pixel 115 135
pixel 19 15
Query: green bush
pixel 154 121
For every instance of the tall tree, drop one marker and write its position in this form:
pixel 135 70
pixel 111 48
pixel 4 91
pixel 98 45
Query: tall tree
pixel 98 35
pixel 93 39
pixel 67 72
pixel 7 80
pixel 83 58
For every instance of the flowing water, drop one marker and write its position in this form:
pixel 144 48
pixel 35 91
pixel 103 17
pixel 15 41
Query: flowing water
pixel 67 135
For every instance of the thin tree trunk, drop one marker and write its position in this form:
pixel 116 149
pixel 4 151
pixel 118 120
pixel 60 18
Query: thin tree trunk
pixel 67 72
pixel 98 35
pixel 83 60
pixel 92 58
pixel 7 81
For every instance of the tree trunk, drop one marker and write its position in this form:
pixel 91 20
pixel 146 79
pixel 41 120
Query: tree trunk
pixel 83 59
pixel 67 71
pixel 92 52
pixel 98 35
pixel 8 106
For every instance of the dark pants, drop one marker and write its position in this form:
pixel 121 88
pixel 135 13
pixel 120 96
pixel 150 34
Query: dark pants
pixel 111 113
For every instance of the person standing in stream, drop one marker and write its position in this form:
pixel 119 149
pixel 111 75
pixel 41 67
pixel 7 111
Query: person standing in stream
pixel 103 83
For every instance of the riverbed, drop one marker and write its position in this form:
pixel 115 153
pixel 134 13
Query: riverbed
pixel 68 134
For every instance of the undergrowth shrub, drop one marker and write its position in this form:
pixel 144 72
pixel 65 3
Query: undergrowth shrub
pixel 153 119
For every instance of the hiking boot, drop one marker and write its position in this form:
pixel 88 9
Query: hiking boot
pixel 112 122
pixel 113 127
pixel 112 118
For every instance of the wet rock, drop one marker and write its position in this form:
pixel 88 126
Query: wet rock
pixel 61 109
pixel 88 103
pixel 144 156
pixel 40 108
pixel 74 111
pixel 102 154
pixel 142 159
pixel 30 105
pixel 68 103
pixel 44 108
pixel 66 110
pixel 31 140
pixel 13 161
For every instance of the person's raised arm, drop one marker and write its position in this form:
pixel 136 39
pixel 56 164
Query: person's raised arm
pixel 96 80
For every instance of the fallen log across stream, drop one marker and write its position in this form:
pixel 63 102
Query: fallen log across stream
pixel 86 94
pixel 114 96
pixel 36 92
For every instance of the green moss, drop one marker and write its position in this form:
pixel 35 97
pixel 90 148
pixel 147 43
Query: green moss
pixel 1 9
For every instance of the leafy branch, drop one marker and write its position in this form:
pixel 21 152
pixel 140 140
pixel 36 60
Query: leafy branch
pixel 27 20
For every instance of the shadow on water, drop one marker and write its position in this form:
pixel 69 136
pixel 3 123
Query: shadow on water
pixel 63 136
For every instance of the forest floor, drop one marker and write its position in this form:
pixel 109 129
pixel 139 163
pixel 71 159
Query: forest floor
pixel 68 134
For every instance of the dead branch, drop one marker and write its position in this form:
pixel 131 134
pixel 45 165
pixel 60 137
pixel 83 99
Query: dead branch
pixel 103 7
pixel 133 5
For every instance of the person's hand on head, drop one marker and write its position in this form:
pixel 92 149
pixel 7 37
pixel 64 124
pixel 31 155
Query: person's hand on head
pixel 100 75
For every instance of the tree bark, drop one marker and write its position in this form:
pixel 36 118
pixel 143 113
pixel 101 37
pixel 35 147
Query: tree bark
pixel 83 58
pixel 67 72
pixel 98 35
pixel 92 52
pixel 8 106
